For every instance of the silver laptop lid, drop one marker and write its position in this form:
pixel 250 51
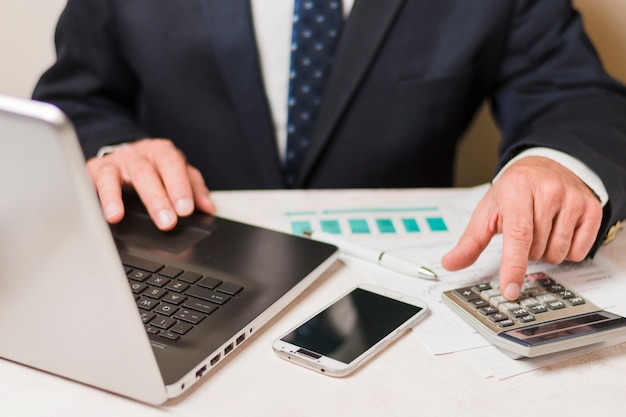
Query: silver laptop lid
pixel 59 262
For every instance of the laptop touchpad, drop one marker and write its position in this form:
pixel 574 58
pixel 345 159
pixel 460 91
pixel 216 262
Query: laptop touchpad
pixel 138 230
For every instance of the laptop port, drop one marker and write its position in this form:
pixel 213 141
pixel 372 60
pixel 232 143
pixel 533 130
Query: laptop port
pixel 201 371
pixel 215 359
pixel 228 349
pixel 240 339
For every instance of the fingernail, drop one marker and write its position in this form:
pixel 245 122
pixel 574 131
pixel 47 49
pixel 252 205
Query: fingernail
pixel 166 218
pixel 112 210
pixel 512 291
pixel 184 206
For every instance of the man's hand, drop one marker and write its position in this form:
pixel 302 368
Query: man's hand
pixel 542 210
pixel 167 185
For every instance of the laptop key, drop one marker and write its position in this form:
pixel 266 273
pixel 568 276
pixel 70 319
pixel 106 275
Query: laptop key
pixel 145 303
pixel 209 282
pixel 152 330
pixel 189 277
pixel 138 287
pixel 181 327
pixel 137 275
pixel 154 292
pixel 163 322
pixel 140 263
pixel 170 272
pixel 229 288
pixel 165 309
pixel 190 316
pixel 169 335
pixel 177 286
pixel 146 316
pixel 200 305
pixel 174 298
pixel 208 295
pixel 157 281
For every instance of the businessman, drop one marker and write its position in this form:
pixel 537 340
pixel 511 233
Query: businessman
pixel 170 97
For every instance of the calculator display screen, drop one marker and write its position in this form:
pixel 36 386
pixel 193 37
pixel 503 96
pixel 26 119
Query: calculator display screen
pixel 565 328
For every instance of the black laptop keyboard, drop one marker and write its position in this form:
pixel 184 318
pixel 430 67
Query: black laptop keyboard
pixel 172 301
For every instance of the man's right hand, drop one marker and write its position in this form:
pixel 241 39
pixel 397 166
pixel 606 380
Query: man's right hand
pixel 158 171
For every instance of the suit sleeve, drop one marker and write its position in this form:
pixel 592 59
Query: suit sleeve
pixel 91 81
pixel 553 92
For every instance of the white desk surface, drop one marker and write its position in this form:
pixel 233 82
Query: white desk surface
pixel 404 380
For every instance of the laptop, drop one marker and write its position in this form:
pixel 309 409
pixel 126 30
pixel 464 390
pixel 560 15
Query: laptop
pixel 126 308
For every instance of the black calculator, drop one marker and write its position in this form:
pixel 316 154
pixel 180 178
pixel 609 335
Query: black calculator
pixel 546 318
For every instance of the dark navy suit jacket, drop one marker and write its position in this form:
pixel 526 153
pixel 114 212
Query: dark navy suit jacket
pixel 407 80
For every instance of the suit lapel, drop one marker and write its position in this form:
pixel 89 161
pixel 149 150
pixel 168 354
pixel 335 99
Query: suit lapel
pixel 365 28
pixel 230 28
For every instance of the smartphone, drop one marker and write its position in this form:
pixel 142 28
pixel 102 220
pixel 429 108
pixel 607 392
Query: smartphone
pixel 349 331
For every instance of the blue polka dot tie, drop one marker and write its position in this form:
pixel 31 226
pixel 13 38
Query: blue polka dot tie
pixel 316 26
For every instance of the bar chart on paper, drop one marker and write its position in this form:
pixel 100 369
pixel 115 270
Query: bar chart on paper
pixel 372 221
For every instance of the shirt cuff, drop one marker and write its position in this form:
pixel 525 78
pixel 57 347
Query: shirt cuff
pixel 105 150
pixel 578 168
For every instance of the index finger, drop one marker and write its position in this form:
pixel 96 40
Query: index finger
pixel 108 182
pixel 517 238
pixel 173 170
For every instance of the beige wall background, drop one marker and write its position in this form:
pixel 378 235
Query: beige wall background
pixel 26 50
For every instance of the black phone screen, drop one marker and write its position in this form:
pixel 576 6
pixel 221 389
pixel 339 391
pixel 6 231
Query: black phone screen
pixel 351 325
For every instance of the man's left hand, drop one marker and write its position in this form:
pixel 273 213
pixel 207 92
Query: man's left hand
pixel 543 211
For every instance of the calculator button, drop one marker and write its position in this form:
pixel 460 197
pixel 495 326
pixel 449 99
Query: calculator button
pixel 535 291
pixel 518 312
pixel 575 301
pixel 478 303
pixel 528 302
pixel 527 318
pixel 506 323
pixel 546 298
pixel 497 300
pixel 482 287
pixel 545 282
pixel 497 317
pixel 537 309
pixel 486 295
pixel 556 305
pixel 485 311
pixel 467 294
pixel 563 295
pixel 507 307
pixel 553 288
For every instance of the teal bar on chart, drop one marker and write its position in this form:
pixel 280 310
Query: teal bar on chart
pixel 359 226
pixel 385 226
pixel 437 224
pixel 331 226
pixel 299 227
pixel 410 225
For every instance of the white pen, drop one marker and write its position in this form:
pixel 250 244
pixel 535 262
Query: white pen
pixel 387 260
